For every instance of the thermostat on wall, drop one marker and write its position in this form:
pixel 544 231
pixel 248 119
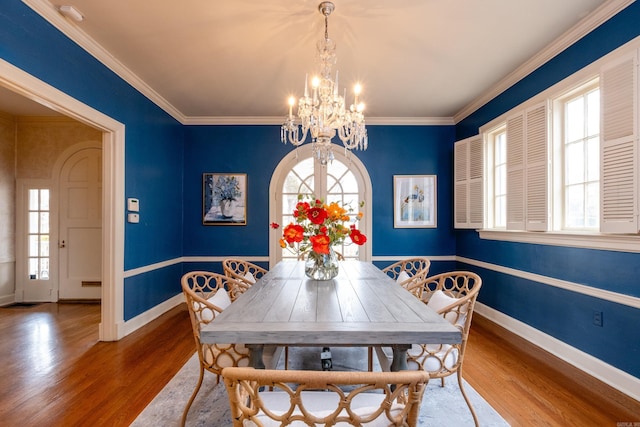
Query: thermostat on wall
pixel 133 205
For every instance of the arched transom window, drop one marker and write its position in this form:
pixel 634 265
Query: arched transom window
pixel 344 180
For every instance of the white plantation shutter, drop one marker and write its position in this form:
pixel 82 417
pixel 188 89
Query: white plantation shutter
pixel 537 176
pixel 476 182
pixel 460 173
pixel 619 191
pixel 515 173
pixel 468 183
pixel 528 170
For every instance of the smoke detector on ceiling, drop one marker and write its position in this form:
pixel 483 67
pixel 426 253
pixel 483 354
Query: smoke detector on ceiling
pixel 71 13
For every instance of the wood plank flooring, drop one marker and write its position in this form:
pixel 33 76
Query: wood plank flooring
pixel 54 372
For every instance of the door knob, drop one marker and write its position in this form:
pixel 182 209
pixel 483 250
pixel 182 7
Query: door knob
pixel 61 244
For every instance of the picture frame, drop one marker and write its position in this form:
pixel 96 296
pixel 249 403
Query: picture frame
pixel 414 201
pixel 224 199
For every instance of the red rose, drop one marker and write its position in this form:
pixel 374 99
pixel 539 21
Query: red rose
pixel 275 225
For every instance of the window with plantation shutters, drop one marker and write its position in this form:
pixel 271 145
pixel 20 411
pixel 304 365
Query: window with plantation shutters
pixel 572 161
pixel 619 147
pixel 469 183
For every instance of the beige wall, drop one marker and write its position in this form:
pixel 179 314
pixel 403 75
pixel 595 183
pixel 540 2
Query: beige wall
pixel 7 206
pixel 41 140
pixel 29 149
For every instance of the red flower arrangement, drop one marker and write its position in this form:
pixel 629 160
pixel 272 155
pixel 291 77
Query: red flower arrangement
pixel 319 226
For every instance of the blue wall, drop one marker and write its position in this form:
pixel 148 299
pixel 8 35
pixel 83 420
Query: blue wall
pixel 565 315
pixel 256 151
pixel 153 148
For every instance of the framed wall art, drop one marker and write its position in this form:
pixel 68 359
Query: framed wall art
pixel 224 199
pixel 414 201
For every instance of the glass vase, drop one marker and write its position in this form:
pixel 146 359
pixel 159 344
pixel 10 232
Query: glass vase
pixel 321 266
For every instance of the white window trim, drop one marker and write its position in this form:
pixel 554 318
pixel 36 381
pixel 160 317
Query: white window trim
pixel 490 138
pixel 600 241
pixel 558 155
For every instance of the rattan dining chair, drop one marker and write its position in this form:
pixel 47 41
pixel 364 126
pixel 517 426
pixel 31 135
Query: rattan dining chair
pixel 318 398
pixel 452 295
pixel 408 271
pixel 243 271
pixel 207 295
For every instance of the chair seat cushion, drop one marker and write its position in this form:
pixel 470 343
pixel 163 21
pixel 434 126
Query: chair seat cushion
pixel 322 404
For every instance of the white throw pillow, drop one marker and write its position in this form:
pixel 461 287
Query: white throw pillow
pixel 249 278
pixel 440 300
pixel 403 276
pixel 220 299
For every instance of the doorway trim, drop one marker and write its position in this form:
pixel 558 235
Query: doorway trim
pixel 113 139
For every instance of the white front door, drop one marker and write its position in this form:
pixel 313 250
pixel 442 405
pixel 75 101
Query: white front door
pixel 80 233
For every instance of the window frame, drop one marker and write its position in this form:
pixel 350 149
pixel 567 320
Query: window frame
pixel 490 144
pixel 614 240
pixel 559 125
pixel 364 186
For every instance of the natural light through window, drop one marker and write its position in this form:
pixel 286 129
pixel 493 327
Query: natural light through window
pixel 334 182
pixel 38 234
pixel 582 160
pixel 500 180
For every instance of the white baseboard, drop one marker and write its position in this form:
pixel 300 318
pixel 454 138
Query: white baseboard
pixel 152 314
pixel 7 299
pixel 616 378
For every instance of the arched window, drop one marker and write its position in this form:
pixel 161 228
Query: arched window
pixel 344 180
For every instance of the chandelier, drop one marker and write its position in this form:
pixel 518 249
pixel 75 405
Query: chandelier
pixel 323 112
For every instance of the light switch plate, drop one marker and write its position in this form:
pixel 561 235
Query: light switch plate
pixel 133 218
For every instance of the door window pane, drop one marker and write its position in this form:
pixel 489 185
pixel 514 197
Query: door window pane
pixel 38 239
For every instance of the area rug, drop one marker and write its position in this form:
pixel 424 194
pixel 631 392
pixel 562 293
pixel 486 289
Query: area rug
pixel 442 406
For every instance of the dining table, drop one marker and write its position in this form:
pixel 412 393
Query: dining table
pixel 361 306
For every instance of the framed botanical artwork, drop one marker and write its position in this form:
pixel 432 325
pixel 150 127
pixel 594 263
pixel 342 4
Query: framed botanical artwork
pixel 414 201
pixel 224 199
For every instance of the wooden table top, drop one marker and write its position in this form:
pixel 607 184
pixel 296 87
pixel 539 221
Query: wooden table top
pixel 362 306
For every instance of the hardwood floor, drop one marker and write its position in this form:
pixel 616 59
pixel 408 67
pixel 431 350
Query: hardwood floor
pixel 55 372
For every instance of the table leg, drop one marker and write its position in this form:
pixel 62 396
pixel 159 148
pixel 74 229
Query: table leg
pixel 255 355
pixel 399 362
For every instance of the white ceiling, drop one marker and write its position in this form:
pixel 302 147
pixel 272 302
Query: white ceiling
pixel 210 61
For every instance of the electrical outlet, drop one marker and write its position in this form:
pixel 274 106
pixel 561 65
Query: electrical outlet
pixel 597 318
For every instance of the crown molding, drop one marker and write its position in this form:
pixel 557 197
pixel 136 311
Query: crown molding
pixel 71 30
pixel 607 10
pixel 277 120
